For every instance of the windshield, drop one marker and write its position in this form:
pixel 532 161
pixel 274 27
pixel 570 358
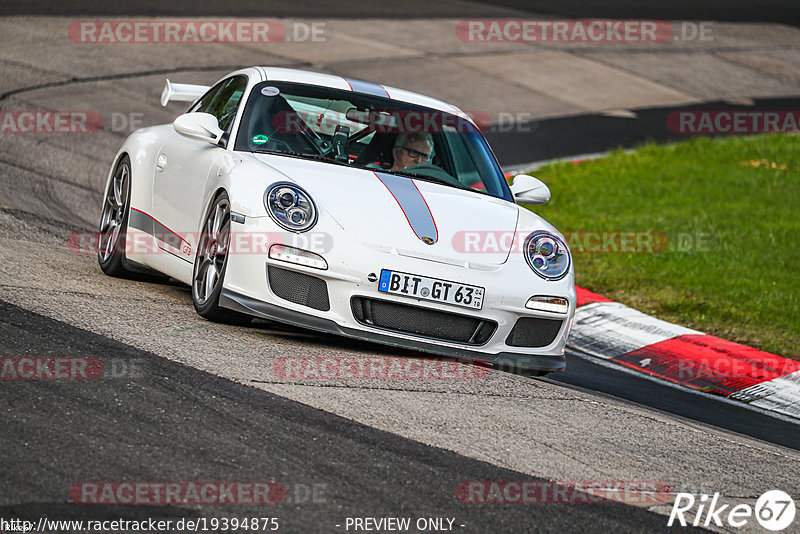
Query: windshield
pixel 374 133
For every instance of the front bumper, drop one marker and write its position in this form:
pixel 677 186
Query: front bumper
pixel 507 288
pixel 241 303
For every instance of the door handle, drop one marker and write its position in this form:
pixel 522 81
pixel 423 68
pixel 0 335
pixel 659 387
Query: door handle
pixel 161 162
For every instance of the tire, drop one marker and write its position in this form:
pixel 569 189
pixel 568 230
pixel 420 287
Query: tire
pixel 114 222
pixel 210 264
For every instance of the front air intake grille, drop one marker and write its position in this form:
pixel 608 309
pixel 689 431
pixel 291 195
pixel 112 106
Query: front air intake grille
pixel 299 288
pixel 423 322
pixel 533 332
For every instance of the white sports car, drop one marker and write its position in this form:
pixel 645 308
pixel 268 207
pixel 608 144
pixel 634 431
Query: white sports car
pixel 346 207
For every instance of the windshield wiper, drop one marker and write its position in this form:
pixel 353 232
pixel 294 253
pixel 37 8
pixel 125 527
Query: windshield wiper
pixel 275 152
pixel 433 179
pixel 302 155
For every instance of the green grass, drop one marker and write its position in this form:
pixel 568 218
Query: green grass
pixel 743 283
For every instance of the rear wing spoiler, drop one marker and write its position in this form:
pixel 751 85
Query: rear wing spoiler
pixel 182 92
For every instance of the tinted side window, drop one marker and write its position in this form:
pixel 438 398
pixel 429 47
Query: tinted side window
pixel 205 101
pixel 222 100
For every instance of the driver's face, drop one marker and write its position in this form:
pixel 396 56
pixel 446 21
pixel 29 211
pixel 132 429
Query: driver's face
pixel 418 151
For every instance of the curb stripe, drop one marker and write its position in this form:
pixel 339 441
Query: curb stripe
pixel 781 395
pixel 612 331
pixel 587 297
pixel 412 203
pixel 708 363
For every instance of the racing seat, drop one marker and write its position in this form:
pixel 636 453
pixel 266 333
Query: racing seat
pixel 266 115
pixel 379 150
pixel 275 118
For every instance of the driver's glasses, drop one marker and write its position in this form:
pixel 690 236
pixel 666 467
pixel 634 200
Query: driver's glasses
pixel 416 154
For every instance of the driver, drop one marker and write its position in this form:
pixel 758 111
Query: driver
pixel 411 148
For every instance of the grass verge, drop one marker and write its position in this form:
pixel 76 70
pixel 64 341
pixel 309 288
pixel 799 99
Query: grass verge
pixel 722 218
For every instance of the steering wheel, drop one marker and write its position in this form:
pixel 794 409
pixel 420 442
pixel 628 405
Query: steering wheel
pixel 429 170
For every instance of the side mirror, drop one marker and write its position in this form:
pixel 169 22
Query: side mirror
pixel 198 126
pixel 529 190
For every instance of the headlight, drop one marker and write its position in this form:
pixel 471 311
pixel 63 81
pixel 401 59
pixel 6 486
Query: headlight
pixel 547 255
pixel 290 207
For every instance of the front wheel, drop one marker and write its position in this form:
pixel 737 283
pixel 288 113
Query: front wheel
pixel 211 262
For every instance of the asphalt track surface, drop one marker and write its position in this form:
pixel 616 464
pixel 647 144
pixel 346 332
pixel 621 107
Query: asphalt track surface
pixel 586 373
pixel 174 421
pixel 589 134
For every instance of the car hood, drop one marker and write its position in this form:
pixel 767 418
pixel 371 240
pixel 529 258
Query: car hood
pixel 383 212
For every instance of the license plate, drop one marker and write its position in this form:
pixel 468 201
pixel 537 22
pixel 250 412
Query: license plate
pixel 425 287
